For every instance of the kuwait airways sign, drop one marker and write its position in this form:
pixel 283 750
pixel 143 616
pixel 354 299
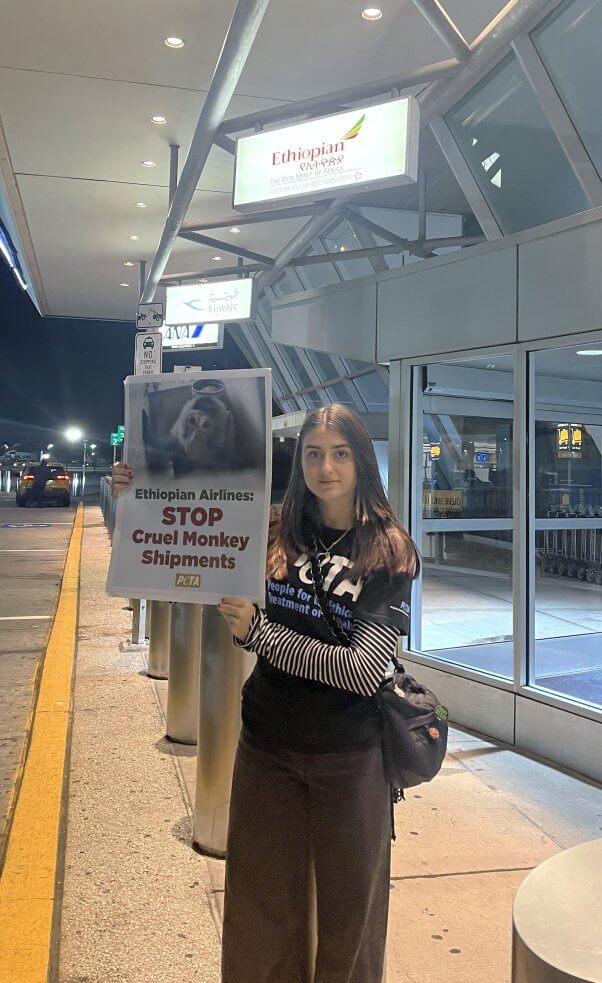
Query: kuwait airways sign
pixel 228 300
pixel 362 148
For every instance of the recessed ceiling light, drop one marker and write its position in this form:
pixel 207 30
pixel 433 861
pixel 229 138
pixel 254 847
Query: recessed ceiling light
pixel 134 238
pixel 216 259
pixel 124 284
pixel 234 230
pixel 174 42
pixel 158 120
pixel 140 204
pixel 128 262
pixel 342 249
pixel 372 13
pixel 590 351
pixel 149 163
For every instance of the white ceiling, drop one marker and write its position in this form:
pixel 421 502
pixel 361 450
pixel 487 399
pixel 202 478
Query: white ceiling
pixel 79 81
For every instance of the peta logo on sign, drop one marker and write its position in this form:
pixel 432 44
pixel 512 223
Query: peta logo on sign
pixel 188 580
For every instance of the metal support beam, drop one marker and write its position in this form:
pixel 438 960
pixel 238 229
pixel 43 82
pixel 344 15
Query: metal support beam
pixel 444 26
pixel 242 31
pixel 273 215
pixel 415 248
pixel 465 179
pixel 334 100
pixel 212 274
pixel 141 275
pixel 227 247
pixel 221 140
pixel 321 223
pixel 517 17
pixel 354 215
pixel 558 118
pixel 421 204
pixel 174 149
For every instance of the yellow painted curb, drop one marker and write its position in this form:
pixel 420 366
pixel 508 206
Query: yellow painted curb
pixel 27 883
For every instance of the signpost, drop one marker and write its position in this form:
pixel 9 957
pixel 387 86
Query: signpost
pixel 375 147
pixel 149 316
pixel 148 353
pixel 227 300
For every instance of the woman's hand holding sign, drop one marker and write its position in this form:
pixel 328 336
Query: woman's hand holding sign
pixel 239 614
pixel 121 479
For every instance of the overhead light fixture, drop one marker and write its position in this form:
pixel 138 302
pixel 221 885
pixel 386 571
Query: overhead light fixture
pixel 203 279
pixel 159 120
pixel 342 249
pixel 140 204
pixel 149 163
pixel 134 238
pixel 124 284
pixel 372 13
pixel 174 42
pixel 128 262
pixel 590 351
pixel 234 230
pixel 216 259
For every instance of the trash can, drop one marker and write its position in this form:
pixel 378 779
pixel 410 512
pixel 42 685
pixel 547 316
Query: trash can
pixel 224 669
pixel 158 646
pixel 184 667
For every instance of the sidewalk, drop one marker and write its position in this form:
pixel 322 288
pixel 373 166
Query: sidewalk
pixel 139 905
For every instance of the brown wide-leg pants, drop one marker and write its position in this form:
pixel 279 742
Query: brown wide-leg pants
pixel 289 813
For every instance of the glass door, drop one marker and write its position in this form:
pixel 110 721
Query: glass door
pixel 462 515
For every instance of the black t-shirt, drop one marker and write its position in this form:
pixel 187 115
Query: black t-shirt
pixel 284 711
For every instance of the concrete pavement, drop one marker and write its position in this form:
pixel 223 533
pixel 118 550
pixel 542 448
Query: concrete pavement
pixel 138 905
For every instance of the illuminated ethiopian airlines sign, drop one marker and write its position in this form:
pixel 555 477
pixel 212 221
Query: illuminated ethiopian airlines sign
pixel 372 147
pixel 226 300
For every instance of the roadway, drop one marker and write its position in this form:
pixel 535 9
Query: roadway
pixel 33 545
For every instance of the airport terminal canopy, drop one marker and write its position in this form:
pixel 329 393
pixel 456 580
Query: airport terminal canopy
pixel 99 108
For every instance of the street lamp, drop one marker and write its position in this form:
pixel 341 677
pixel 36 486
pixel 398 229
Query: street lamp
pixel 74 435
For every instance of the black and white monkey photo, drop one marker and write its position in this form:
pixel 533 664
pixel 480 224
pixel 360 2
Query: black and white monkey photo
pixel 204 429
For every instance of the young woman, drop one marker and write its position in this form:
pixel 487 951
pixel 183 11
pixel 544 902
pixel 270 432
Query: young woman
pixel 309 790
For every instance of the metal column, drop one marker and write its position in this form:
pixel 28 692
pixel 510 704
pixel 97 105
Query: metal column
pixel 224 669
pixel 158 649
pixel 184 668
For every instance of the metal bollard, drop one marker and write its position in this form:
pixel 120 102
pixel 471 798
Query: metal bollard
pixel 158 647
pixel 224 669
pixel 184 668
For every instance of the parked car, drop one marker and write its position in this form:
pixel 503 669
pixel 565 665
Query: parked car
pixel 57 488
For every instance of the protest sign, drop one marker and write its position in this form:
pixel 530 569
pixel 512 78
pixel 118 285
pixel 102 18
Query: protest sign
pixel 193 525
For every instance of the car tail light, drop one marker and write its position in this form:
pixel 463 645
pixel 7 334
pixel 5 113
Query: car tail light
pixel 62 477
pixel 28 477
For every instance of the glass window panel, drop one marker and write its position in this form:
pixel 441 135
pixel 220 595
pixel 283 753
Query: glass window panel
pixel 317 398
pixel 513 153
pixel 463 469
pixel 373 392
pixel 321 275
pixel 467 599
pixel 340 394
pixel 354 365
pixel 567 616
pixel 298 367
pixel 569 44
pixel 381 449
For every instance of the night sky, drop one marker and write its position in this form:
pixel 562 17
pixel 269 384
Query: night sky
pixel 58 372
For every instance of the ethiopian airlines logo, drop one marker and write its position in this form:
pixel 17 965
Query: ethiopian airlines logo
pixel 353 132
pixel 320 150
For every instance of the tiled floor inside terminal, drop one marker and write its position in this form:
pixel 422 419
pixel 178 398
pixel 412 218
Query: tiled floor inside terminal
pixel 467 619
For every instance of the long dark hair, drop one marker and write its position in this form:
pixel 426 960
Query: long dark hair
pixel 380 542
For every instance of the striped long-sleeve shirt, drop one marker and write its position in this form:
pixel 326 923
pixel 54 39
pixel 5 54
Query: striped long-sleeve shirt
pixel 357 668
